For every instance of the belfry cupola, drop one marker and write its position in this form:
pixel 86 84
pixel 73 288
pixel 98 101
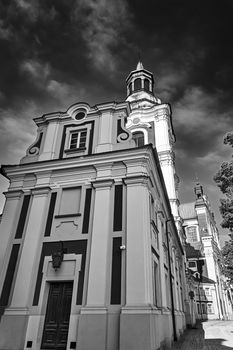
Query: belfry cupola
pixel 198 189
pixel 140 85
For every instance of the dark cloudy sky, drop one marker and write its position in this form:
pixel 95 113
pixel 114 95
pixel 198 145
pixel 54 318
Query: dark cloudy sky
pixel 58 52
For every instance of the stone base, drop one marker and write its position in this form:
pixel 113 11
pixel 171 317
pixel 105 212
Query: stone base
pixel 98 329
pixel 13 331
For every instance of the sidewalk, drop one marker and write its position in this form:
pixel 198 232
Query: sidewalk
pixel 209 335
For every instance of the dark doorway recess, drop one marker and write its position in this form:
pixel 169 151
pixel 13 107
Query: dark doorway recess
pixel 57 316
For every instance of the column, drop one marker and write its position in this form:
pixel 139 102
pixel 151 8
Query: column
pixel 136 316
pixel 161 262
pixel 105 140
pixel 97 281
pixel 162 129
pixel 8 225
pixel 15 317
pixel 138 244
pixel 92 331
pixel 50 141
pixel 22 289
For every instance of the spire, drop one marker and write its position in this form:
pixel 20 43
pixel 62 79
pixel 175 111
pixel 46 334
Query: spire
pixel 139 66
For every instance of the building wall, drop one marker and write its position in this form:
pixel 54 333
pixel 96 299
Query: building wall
pixel 108 204
pixel 207 243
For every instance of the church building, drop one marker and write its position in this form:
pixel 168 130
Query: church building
pixel 91 253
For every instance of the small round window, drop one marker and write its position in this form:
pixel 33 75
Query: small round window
pixel 80 115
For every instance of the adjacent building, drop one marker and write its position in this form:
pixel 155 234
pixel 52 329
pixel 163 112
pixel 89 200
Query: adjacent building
pixel 91 253
pixel 204 258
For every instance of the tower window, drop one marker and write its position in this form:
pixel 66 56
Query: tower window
pixel 146 85
pixel 137 84
pixel 138 137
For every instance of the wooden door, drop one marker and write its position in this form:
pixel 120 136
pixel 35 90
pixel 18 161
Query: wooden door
pixel 57 316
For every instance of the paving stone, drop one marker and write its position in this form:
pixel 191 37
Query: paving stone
pixel 210 335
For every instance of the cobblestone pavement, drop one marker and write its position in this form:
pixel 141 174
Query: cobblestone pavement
pixel 209 335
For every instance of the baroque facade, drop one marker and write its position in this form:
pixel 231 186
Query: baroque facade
pixel 91 253
pixel 203 254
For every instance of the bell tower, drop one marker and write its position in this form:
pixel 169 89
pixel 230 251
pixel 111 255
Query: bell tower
pixel 140 86
pixel 150 121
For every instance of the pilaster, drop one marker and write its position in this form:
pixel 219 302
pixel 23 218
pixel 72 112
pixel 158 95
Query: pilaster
pixel 138 245
pixel 106 129
pixel 8 224
pixel 48 149
pixel 97 280
pixel 22 289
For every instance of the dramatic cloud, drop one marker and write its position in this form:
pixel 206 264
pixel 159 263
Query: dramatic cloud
pixel 200 120
pixel 104 24
pixel 37 71
pixel 55 53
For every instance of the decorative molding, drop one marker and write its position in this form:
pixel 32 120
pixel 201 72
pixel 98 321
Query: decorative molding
pixel 102 184
pixel 13 194
pixel 93 310
pixel 16 311
pixel 41 190
pixel 136 180
pixel 61 216
pixel 166 157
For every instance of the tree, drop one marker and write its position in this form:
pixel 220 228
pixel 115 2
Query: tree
pixel 224 180
pixel 227 254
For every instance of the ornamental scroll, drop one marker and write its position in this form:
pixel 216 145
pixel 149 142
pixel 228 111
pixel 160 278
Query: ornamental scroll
pixel 35 147
pixel 123 135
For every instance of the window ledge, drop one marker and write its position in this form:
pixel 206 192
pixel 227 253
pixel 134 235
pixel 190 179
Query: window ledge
pixel 67 215
pixel 75 150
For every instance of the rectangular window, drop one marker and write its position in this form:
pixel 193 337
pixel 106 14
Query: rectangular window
pixel 178 297
pixel 9 275
pixel 203 308
pixel 192 234
pixel 181 299
pixel 168 295
pixel 87 209
pixel 210 308
pixel 192 264
pixel 78 139
pixel 70 201
pixel 50 214
pixel 153 213
pixel 117 223
pixel 116 272
pixel 23 216
pixel 156 283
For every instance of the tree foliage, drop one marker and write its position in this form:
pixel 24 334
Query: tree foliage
pixel 224 180
pixel 227 253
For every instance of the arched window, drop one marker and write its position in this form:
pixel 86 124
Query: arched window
pixel 192 234
pixel 138 137
pixel 146 85
pixel 137 84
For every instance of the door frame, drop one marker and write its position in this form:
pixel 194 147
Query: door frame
pixel 61 293
pixel 68 272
